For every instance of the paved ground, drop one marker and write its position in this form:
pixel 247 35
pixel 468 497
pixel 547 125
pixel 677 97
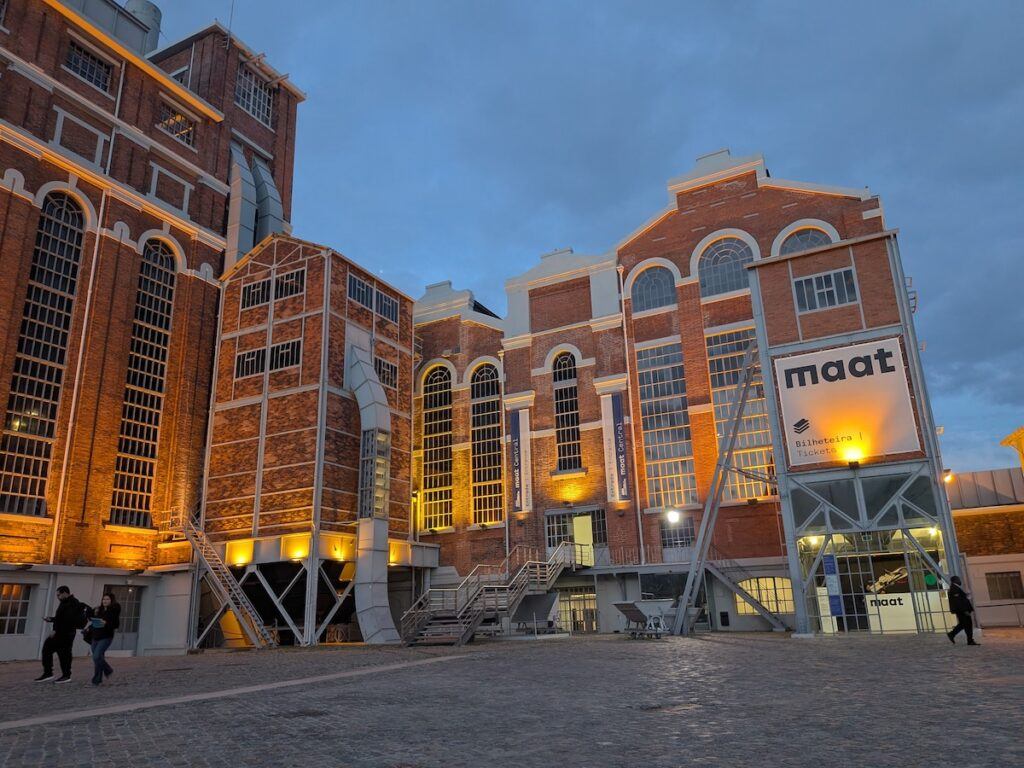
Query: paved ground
pixel 718 700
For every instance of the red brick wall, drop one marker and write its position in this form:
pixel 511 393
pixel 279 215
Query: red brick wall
pixel 996 533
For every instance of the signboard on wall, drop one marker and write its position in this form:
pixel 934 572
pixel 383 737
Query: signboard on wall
pixel 846 403
pixel 616 470
pixel 519 437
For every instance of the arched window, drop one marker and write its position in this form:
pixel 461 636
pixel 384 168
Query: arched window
pixel 30 419
pixel 654 287
pixel 567 412
pixel 135 465
pixel 485 426
pixel 437 448
pixel 804 240
pixel 722 266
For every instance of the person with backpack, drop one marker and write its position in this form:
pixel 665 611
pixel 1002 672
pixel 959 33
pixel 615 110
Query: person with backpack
pixel 960 606
pixel 104 622
pixel 70 616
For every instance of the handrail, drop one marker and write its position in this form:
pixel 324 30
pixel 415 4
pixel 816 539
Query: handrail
pixel 469 601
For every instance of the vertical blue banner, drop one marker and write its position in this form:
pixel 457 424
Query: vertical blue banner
pixel 517 461
pixel 621 466
pixel 835 592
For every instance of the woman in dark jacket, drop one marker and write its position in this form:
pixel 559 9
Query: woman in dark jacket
pixel 960 606
pixel 104 622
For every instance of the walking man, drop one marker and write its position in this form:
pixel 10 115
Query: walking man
pixel 68 619
pixel 960 606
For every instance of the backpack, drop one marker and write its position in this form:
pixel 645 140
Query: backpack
pixel 86 613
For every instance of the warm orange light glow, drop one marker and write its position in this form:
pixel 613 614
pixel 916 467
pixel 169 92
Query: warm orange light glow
pixel 295 547
pixel 947 476
pixel 239 552
pixel 672 516
pixel 853 453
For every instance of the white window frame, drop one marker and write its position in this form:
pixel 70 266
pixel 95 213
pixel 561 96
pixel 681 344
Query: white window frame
pixel 58 131
pixel 166 101
pixel 255 357
pixel 277 348
pixel 86 45
pixel 830 272
pixel 154 180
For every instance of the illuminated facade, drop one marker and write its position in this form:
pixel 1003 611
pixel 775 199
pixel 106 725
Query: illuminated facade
pixel 130 179
pixel 620 385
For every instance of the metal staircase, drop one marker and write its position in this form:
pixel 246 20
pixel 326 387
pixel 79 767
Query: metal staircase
pixel 706 558
pixel 452 616
pixel 223 582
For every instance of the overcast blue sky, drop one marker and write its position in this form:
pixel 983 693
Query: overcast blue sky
pixel 462 139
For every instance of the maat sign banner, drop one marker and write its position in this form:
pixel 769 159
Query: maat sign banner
pixel 846 404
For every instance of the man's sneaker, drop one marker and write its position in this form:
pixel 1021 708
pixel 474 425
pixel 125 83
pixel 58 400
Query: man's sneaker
pixel 108 672
pixel 973 643
pixel 63 679
pixel 951 638
pixel 44 677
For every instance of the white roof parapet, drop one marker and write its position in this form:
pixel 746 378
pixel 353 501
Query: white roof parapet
pixel 560 265
pixel 716 166
pixel 440 301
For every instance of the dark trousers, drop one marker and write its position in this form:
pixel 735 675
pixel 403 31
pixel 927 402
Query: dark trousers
pixel 61 645
pixel 99 659
pixel 964 622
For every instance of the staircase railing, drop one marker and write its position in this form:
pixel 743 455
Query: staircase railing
pixel 224 583
pixel 487 590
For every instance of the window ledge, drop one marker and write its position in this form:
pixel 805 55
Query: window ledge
pixel 176 140
pixel 565 474
pixel 7 517
pixel 436 531
pixel 655 311
pixel 485 526
pixel 130 529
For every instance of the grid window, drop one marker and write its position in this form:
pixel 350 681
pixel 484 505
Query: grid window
pixel 180 126
pixel 437 448
pixel 753 447
pixel 387 307
pixel 135 464
pixel 30 418
pixel 387 372
pixel 88 66
pixel 14 598
pixel 680 534
pixel 804 240
pixel 773 592
pixel 665 423
pixel 255 294
pixel 286 354
pixel 360 291
pixel 655 287
pixel 254 95
pixel 829 289
pixel 251 363
pixel 1005 585
pixel 485 428
pixel 722 266
pixel 290 284
pixel 567 413
pixel 130 600
pixel 558 527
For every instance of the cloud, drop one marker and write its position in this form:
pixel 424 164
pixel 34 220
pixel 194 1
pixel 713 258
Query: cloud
pixel 460 139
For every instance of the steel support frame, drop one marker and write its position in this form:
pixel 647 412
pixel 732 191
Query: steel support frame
pixel 907 333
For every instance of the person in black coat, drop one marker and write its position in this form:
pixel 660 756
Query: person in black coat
pixel 960 606
pixel 102 626
pixel 68 619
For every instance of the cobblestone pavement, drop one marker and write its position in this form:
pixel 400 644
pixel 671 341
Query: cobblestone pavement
pixel 717 700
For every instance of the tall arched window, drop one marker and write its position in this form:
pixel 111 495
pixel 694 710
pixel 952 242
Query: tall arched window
pixel 722 266
pixel 485 427
pixel 135 466
pixel 567 412
pixel 804 240
pixel 654 287
pixel 437 448
pixel 30 420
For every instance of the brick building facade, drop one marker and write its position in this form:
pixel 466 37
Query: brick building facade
pixel 129 180
pixel 620 376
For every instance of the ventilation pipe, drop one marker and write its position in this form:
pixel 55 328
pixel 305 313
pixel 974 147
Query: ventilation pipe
pixel 149 14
